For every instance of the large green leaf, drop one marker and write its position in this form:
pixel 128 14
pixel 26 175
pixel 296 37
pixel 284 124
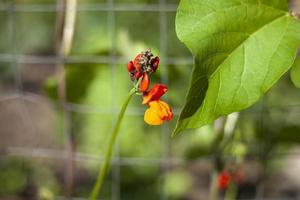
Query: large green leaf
pixel 241 48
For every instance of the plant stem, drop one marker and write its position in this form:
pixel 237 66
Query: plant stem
pixel 213 189
pixel 104 167
pixel 231 192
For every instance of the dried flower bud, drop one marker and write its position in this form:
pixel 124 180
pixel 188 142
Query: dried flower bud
pixel 142 63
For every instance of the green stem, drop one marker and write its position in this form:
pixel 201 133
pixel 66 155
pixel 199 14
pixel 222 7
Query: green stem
pixel 104 167
pixel 231 192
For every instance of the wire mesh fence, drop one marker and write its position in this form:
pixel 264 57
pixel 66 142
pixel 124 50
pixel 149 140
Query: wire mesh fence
pixel 26 109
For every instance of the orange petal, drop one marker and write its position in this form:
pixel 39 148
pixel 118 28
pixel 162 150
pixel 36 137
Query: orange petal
pixel 152 118
pixel 158 112
pixel 155 93
pixel 169 113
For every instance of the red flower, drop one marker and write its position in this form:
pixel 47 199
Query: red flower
pixel 226 177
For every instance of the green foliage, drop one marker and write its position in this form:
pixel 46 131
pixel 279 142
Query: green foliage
pixel 288 134
pixel 241 49
pixel 12 177
pixel 16 174
pixel 295 73
pixel 91 34
pixel 78 79
pixel 177 184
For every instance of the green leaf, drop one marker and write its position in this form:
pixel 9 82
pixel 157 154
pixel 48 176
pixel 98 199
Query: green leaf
pixel 295 73
pixel 241 48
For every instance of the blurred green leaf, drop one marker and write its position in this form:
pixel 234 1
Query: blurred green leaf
pixel 78 80
pixel 177 184
pixel 288 134
pixel 241 49
pixel 295 73
pixel 12 176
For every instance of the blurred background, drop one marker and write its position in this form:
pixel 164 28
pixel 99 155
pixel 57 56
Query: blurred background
pixel 58 106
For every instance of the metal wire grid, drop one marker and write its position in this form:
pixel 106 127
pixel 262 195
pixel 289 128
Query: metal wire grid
pixel 14 59
pixel 162 7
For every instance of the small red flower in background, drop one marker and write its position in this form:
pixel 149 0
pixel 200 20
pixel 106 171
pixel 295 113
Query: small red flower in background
pixel 223 180
pixel 139 70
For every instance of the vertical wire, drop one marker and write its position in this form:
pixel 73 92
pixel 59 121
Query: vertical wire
pixel 164 77
pixel 114 72
pixel 24 113
pixel 17 75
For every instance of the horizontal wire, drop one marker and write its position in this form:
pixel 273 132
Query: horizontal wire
pixel 131 111
pixel 124 161
pixel 36 59
pixel 91 7
pixel 73 107
pixel 82 157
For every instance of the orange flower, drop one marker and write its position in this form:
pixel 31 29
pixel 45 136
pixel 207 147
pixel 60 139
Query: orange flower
pixel 159 111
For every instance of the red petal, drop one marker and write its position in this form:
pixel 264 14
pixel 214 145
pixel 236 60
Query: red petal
pixel 155 93
pixel 130 66
pixel 138 75
pixel 154 63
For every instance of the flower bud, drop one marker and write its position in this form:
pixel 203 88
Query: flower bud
pixel 145 83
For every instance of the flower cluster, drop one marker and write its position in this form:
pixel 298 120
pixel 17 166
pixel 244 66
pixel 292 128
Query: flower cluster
pixel 143 65
pixel 139 70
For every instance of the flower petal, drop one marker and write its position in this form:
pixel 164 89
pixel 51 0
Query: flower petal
pixel 158 112
pixel 154 63
pixel 152 118
pixel 155 93
pixel 130 66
